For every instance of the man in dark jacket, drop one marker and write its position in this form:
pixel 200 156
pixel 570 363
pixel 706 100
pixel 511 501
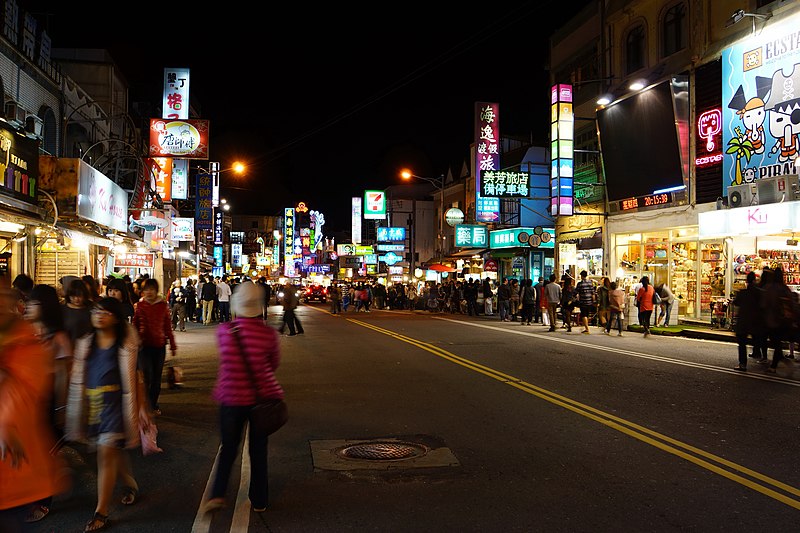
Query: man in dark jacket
pixel 504 300
pixel 749 318
pixel 208 295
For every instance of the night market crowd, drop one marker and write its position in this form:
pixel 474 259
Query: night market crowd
pixel 81 365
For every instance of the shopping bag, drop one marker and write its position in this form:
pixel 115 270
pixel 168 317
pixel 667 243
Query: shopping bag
pixel 174 377
pixel 149 439
pixel 546 319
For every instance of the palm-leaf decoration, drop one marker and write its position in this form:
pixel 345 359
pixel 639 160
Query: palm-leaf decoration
pixel 743 148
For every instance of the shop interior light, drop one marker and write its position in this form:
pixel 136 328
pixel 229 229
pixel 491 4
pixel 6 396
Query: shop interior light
pixel 10 227
pixel 604 99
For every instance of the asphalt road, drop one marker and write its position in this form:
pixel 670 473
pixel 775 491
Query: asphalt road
pixel 478 426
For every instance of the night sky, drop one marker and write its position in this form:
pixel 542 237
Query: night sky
pixel 324 101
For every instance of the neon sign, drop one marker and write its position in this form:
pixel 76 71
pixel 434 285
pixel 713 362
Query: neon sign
pixel 709 126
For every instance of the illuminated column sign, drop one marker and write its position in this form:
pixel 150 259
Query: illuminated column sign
pixel 355 219
pixel 176 93
pixel 487 157
pixel 288 241
pixel 213 166
pixel 562 124
pixel 203 210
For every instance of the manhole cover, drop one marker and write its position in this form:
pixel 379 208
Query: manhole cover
pixel 382 451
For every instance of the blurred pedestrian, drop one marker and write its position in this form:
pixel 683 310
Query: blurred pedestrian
pixel 92 287
pixel 603 309
pixel 616 304
pixel 191 299
pixel 569 300
pixel 665 307
pixel 28 471
pixel 177 303
pixel 777 305
pixel 249 355
pixel 528 302
pixel 209 295
pixel 586 295
pixel 750 318
pixel 224 298
pixel 515 304
pixel 504 300
pixel 107 406
pixel 290 303
pixel 76 311
pixel 152 322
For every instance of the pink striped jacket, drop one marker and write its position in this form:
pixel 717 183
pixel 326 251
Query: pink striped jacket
pixel 261 345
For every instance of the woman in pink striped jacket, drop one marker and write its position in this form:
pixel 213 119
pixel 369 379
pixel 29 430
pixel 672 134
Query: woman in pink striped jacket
pixel 235 391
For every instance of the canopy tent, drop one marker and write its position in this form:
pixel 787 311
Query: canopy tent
pixel 438 267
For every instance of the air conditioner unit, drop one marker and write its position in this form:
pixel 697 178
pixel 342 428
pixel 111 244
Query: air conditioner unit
pixel 742 195
pixel 34 124
pixel 777 189
pixel 15 113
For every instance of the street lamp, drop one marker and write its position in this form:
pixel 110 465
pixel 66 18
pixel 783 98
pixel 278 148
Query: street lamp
pixel 406 174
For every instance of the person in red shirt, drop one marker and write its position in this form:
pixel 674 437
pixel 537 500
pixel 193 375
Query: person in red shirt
pixel 152 320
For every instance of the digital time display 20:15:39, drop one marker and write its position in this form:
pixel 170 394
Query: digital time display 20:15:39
pixel 645 201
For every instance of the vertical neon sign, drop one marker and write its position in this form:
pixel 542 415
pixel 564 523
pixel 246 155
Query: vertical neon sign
pixel 487 157
pixel 288 242
pixel 562 124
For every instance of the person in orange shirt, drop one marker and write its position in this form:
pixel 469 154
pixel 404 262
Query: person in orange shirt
pixel 644 301
pixel 28 471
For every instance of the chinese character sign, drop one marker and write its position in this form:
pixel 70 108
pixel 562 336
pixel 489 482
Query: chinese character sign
pixel 504 184
pixel 134 260
pixel 355 219
pixel 179 138
pixel 471 236
pixel 218 220
pixel 203 210
pixel 180 179
pixel 487 155
pixel 387 234
pixel 176 93
pixel 562 123
pixel 288 241
pixel 760 100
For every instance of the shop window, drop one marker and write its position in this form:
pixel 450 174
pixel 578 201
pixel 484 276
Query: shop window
pixel 634 49
pixel 674 32
pixel 683 277
pixel 712 276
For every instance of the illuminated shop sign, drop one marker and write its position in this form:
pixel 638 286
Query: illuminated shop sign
pixel 134 260
pixel 374 204
pixel 179 138
pixel 203 209
pixel 562 124
pixel 487 156
pixel 760 97
pixel 355 219
pixel 472 236
pixel 218 256
pixel 709 130
pixel 288 241
pixel 753 220
pixel 218 218
pixel 388 234
pixel 175 104
pixel 519 237
pixel 645 201
pixel 391 247
pixel 505 184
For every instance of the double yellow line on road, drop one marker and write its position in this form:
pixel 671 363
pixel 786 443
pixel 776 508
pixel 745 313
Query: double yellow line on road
pixel 740 474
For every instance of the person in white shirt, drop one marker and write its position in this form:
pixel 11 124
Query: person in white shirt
pixel 224 297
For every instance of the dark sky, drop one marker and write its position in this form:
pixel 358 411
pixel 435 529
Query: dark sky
pixel 324 100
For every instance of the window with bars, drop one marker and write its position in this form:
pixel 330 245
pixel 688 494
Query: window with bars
pixel 674 29
pixel 634 49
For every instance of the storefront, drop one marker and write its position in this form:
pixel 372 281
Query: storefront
pixel 522 252
pixel 581 250
pixel 667 247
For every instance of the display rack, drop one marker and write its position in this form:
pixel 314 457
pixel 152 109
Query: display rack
pixel 788 260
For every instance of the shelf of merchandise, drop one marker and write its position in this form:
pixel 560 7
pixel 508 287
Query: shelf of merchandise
pixel 713 258
pixel 789 261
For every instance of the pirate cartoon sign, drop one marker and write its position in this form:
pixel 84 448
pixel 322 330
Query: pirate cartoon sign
pixel 761 104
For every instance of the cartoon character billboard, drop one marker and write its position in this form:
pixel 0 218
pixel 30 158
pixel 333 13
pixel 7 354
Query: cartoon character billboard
pixel 761 105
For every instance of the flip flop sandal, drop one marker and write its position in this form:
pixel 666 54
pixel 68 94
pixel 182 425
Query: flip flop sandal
pixel 37 513
pixel 129 496
pixel 98 523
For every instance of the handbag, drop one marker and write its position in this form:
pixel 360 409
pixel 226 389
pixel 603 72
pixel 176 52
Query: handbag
pixel 267 415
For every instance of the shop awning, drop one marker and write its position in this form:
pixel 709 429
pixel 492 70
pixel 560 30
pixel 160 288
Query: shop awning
pixel 578 234
pixel 468 252
pixel 438 267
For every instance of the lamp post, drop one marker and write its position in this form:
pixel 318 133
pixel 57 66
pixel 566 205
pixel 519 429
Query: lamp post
pixel 439 184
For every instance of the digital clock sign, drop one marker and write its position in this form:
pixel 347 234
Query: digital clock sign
pixel 645 201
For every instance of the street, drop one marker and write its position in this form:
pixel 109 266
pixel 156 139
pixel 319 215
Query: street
pixel 497 427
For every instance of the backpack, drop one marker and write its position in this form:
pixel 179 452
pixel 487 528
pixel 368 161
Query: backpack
pixel 656 297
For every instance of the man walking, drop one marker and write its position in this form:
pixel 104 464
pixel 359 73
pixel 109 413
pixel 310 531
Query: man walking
pixel 552 292
pixel 504 300
pixel 586 295
pixel 209 293
pixel 224 297
pixel 290 303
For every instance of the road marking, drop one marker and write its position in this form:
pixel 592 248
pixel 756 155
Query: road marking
pixel 241 511
pixel 713 463
pixel 641 355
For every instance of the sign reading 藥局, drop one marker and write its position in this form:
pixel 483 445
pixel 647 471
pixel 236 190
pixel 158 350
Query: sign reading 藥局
pixel 760 98
pixel 472 236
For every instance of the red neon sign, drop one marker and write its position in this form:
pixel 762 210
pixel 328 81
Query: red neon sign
pixel 709 125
